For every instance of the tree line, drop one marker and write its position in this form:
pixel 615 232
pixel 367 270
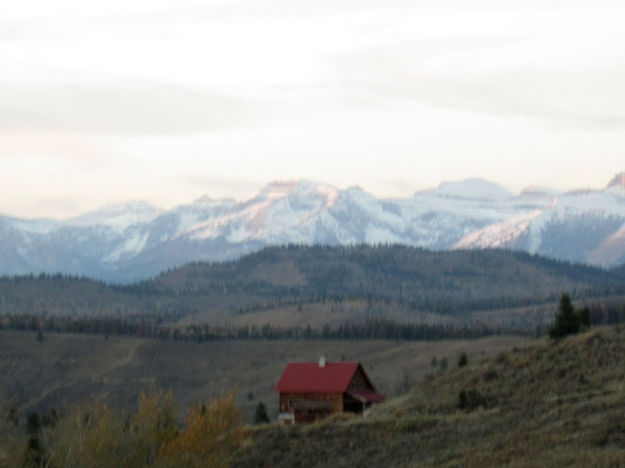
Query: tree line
pixel 150 326
pixel 372 328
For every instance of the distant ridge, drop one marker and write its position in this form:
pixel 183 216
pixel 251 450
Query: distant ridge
pixel 406 279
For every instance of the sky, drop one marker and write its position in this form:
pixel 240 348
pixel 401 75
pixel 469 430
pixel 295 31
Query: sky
pixel 169 100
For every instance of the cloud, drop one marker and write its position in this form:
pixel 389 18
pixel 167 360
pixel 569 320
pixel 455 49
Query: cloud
pixel 9 32
pixel 85 153
pixel 435 73
pixel 117 110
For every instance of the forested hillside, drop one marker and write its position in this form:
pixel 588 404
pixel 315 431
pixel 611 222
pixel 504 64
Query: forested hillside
pixel 449 282
pixel 313 281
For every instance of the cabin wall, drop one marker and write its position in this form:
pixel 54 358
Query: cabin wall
pixel 308 407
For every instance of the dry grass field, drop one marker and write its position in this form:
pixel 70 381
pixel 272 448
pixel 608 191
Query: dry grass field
pixel 65 368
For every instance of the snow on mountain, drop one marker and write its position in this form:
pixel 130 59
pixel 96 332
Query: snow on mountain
pixel 131 245
pixel 36 226
pixel 278 208
pixel 498 235
pixel 611 251
pixel 583 226
pixel 133 240
pixel 537 191
pixel 118 216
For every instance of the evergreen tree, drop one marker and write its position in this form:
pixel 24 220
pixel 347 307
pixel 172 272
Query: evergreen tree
pixel 260 416
pixel 568 321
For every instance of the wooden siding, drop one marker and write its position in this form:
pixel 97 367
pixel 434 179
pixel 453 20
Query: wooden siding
pixel 308 407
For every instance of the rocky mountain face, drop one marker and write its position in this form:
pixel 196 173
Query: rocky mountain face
pixel 131 241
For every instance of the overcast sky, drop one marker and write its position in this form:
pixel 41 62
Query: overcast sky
pixel 167 100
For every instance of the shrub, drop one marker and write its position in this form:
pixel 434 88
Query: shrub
pixel 443 363
pixel 33 423
pixel 463 360
pixel 471 399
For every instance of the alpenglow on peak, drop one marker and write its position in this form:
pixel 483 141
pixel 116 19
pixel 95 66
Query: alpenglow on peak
pixel 618 180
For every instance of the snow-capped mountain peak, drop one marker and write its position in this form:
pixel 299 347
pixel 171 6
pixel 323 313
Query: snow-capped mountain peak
pixel 279 189
pixel 133 240
pixel 282 189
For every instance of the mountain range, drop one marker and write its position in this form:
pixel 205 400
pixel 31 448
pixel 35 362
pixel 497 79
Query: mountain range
pixel 131 241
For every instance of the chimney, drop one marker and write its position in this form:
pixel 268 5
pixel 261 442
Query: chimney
pixel 322 361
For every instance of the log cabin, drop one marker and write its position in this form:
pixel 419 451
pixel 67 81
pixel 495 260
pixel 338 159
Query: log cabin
pixel 310 391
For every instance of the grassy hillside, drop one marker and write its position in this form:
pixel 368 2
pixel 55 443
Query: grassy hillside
pixel 65 368
pixel 549 404
pixel 299 285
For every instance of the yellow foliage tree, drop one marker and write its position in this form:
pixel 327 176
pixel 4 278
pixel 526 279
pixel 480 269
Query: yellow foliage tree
pixel 90 435
pixel 153 426
pixel 93 435
pixel 210 437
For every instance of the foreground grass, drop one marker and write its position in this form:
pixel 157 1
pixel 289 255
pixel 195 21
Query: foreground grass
pixel 552 404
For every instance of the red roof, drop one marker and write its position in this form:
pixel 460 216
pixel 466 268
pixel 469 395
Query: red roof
pixel 309 377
